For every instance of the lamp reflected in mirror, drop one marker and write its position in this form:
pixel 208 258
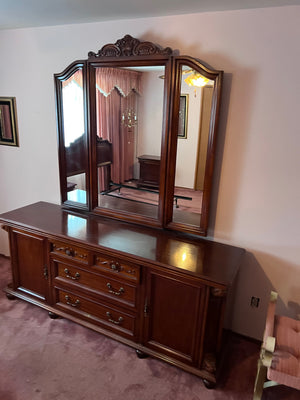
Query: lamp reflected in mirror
pixel 195 79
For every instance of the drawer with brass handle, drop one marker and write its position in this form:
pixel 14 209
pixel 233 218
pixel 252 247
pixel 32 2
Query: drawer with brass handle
pixel 117 289
pixel 111 318
pixel 70 251
pixel 117 267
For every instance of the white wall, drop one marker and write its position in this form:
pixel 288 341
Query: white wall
pixel 256 204
pixel 187 148
pixel 150 114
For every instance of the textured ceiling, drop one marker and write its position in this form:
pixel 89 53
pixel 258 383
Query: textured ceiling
pixel 29 13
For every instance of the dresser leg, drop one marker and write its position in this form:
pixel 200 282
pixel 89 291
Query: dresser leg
pixel 208 384
pixel 10 296
pixel 52 315
pixel 141 354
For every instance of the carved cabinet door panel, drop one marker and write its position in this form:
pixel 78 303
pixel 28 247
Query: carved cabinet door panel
pixel 29 264
pixel 173 315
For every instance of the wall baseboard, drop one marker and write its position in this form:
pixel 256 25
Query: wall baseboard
pixel 3 255
pixel 244 337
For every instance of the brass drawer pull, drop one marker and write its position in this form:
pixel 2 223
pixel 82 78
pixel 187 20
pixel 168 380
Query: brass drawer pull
pixel 110 318
pixel 116 293
pixel 76 277
pixel 115 266
pixel 67 250
pixel 70 252
pixel 70 303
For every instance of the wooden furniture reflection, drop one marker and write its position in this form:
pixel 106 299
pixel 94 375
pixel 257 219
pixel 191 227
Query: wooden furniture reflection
pixel 159 292
pixel 149 171
pixel 104 161
pixel 76 161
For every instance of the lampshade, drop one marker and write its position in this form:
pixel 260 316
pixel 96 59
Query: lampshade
pixel 196 79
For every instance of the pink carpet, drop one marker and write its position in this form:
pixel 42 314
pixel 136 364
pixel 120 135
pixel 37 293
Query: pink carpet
pixel 44 359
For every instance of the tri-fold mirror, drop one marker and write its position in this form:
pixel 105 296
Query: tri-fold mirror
pixel 137 130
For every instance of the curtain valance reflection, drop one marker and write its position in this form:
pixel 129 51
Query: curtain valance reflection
pixel 123 79
pixel 117 90
pixel 75 78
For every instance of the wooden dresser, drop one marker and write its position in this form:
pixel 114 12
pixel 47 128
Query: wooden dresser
pixel 149 171
pixel 161 292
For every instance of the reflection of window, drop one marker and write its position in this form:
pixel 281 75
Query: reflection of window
pixel 126 240
pixel 73 112
pixel 76 225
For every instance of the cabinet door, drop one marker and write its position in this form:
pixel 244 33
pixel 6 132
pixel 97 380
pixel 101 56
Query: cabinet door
pixel 29 264
pixel 173 315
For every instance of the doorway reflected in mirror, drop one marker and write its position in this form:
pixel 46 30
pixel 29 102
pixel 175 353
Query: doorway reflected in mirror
pixel 191 152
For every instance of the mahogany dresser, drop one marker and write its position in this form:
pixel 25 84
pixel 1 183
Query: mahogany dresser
pixel 158 291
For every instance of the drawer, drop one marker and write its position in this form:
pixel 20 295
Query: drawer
pixel 116 267
pixel 123 292
pixel 100 313
pixel 72 252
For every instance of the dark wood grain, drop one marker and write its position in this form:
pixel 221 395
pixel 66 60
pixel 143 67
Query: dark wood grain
pixel 195 256
pixel 29 262
pixel 174 307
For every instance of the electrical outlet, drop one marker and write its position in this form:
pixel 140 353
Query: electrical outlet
pixel 254 302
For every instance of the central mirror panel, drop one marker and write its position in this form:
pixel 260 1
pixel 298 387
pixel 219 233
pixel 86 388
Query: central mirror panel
pixel 129 126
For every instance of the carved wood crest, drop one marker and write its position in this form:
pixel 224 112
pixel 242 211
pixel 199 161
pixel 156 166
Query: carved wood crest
pixel 129 46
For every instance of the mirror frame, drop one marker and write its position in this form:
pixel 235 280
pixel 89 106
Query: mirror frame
pixel 217 77
pixel 126 52
pixel 125 62
pixel 58 80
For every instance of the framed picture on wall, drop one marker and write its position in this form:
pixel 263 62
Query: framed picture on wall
pixel 8 122
pixel 183 114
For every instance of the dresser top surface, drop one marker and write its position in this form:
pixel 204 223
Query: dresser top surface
pixel 199 257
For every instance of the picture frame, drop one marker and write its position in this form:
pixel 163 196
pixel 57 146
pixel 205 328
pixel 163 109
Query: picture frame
pixel 183 114
pixel 8 122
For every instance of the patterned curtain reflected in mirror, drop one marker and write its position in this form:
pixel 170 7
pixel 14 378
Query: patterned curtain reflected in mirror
pixel 117 92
